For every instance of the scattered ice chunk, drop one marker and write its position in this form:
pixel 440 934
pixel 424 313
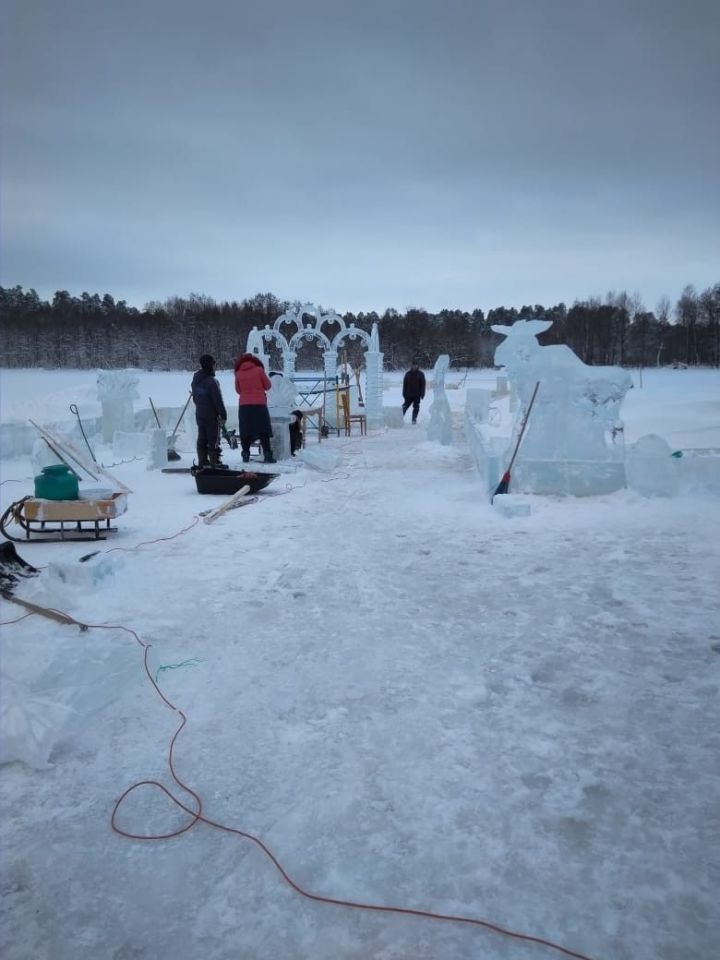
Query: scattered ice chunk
pixel 30 726
pixel 95 493
pixel 393 417
pixel 319 459
pixel 650 468
pixel 89 573
pixel 511 505
pixel 157 449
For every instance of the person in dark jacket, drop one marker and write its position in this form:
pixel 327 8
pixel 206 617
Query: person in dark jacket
pixel 413 390
pixel 296 434
pixel 210 412
pixel 252 384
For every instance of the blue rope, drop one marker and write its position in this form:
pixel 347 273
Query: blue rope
pixel 174 666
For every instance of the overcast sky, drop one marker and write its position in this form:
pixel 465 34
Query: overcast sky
pixel 460 153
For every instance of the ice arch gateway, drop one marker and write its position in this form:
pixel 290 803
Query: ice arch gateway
pixel 308 322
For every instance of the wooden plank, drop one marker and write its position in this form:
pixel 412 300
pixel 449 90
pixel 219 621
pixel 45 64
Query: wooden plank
pixel 69 450
pixel 228 504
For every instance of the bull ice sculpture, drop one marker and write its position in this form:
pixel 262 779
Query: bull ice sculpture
pixel 576 414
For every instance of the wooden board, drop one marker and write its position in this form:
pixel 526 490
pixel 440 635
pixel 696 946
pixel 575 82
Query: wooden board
pixel 74 456
pixel 54 511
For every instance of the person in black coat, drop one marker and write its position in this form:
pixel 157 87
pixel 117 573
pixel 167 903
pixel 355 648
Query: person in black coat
pixel 296 435
pixel 210 412
pixel 413 390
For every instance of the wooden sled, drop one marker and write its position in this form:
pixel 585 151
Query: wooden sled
pixel 226 482
pixel 63 520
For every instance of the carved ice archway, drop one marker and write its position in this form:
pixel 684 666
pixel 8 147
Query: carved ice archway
pixel 269 333
pixel 312 331
pixel 352 333
pixel 309 333
pixel 297 315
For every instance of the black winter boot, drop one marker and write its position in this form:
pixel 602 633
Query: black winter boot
pixel 266 449
pixel 202 454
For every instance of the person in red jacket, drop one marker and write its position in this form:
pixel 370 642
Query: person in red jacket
pixel 252 384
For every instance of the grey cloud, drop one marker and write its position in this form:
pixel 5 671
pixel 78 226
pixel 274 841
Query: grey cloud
pixel 397 152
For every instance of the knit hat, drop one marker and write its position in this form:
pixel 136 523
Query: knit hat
pixel 207 363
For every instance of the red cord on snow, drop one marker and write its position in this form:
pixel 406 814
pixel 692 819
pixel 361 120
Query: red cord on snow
pixel 196 814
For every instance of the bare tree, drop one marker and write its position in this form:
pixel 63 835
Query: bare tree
pixel 686 312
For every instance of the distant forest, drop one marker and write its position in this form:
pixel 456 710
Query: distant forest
pixel 97 331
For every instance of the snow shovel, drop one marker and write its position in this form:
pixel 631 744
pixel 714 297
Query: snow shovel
pixel 74 409
pixel 172 453
pixel 157 418
pixel 504 484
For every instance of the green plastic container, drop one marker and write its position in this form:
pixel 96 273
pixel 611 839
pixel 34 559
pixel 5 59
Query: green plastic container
pixel 56 482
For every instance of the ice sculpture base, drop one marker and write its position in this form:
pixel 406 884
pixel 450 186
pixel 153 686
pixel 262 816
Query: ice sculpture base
pixel 574 478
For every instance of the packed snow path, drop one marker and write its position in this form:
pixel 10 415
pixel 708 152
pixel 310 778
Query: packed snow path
pixel 410 699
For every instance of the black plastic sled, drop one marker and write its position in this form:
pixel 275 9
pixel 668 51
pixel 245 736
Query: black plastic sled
pixel 224 481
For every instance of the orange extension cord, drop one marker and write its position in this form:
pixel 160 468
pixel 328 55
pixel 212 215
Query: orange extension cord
pixel 197 816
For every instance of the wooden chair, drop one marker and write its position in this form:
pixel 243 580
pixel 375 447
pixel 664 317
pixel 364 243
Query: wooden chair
pixel 350 418
pixel 312 417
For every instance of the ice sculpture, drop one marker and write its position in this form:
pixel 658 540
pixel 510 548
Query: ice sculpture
pixel 116 391
pixel 570 443
pixel 650 467
pixel 256 345
pixel 312 331
pixel 440 426
pixel 281 400
pixel 283 396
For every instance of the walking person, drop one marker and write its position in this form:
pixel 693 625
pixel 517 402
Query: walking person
pixel 210 412
pixel 413 390
pixel 252 384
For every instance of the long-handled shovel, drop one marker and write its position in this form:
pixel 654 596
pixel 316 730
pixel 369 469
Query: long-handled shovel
pixel 157 418
pixel 74 409
pixel 504 484
pixel 172 453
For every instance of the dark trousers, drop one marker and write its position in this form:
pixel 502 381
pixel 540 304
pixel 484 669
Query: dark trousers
pixel 246 442
pixel 415 404
pixel 208 440
pixel 296 437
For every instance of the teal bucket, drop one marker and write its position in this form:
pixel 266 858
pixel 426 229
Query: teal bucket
pixel 56 482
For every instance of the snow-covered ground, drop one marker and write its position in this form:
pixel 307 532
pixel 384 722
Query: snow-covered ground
pixel 410 699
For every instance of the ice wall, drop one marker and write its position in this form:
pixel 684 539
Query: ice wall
pixel 440 426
